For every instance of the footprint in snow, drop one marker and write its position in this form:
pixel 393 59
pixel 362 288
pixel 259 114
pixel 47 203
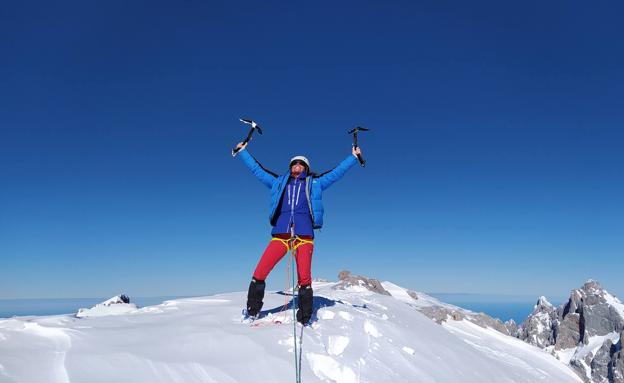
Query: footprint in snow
pixel 371 330
pixel 327 368
pixel 337 344
pixel 346 316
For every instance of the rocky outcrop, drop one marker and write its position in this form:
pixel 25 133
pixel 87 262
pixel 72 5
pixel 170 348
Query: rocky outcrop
pixel 443 313
pixel 599 364
pixel 119 304
pixel 568 333
pixel 598 314
pixel 616 366
pixel 512 327
pixel 438 311
pixel 485 320
pixel 412 294
pixel 537 329
pixel 348 280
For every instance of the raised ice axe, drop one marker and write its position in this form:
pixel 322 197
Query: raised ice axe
pixel 254 126
pixel 355 142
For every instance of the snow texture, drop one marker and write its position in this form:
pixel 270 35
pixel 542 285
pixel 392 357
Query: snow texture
pixel 356 336
pixel 615 303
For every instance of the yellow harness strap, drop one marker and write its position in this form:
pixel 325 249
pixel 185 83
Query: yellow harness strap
pixel 296 241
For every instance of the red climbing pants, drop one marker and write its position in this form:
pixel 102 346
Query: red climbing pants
pixel 276 250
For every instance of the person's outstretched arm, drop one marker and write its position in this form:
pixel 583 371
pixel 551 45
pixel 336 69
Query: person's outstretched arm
pixel 265 176
pixel 327 179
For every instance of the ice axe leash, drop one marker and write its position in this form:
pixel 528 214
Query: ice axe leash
pixel 355 141
pixel 254 126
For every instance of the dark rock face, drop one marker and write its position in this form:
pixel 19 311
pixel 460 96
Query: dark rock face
pixel 568 332
pixel 600 363
pixel 347 280
pixel 615 372
pixel 590 312
pixel 599 316
pixel 485 320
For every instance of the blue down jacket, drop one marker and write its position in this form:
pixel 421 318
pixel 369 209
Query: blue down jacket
pixel 315 184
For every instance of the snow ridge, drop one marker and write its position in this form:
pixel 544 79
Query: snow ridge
pixel 357 336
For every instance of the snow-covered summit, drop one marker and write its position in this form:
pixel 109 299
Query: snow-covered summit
pixel 119 304
pixel 542 303
pixel 357 335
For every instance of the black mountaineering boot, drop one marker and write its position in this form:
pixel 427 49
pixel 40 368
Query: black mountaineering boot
pixel 305 304
pixel 254 297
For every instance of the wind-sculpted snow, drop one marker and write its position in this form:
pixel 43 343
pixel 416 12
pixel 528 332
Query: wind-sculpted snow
pixel 356 336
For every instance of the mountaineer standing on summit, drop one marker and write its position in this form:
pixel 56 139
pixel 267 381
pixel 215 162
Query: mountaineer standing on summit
pixel 296 210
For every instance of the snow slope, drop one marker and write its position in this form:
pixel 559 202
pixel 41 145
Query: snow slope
pixel 358 336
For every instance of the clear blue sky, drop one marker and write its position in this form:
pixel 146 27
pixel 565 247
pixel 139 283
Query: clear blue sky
pixel 495 160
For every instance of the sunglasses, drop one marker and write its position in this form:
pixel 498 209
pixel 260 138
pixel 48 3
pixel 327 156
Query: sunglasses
pixel 298 163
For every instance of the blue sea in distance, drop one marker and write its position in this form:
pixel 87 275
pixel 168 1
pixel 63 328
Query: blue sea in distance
pixel 497 306
pixel 53 306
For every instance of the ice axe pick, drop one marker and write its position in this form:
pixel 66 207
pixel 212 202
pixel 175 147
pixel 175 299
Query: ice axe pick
pixel 254 126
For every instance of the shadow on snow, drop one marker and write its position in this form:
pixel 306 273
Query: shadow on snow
pixel 318 302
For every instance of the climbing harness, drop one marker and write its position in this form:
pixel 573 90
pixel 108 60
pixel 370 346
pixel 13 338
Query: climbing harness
pixel 293 243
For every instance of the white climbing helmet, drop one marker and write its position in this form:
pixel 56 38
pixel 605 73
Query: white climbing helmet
pixel 302 159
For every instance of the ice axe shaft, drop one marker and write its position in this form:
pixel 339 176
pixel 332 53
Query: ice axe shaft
pixel 254 126
pixel 355 142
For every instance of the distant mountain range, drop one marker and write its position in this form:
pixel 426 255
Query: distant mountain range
pixel 586 332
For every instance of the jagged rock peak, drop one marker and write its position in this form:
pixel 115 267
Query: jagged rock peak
pixel 119 304
pixel 348 280
pixel 593 287
pixel 537 329
pixel 343 275
pixel 117 299
pixel 542 302
pixel 512 327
